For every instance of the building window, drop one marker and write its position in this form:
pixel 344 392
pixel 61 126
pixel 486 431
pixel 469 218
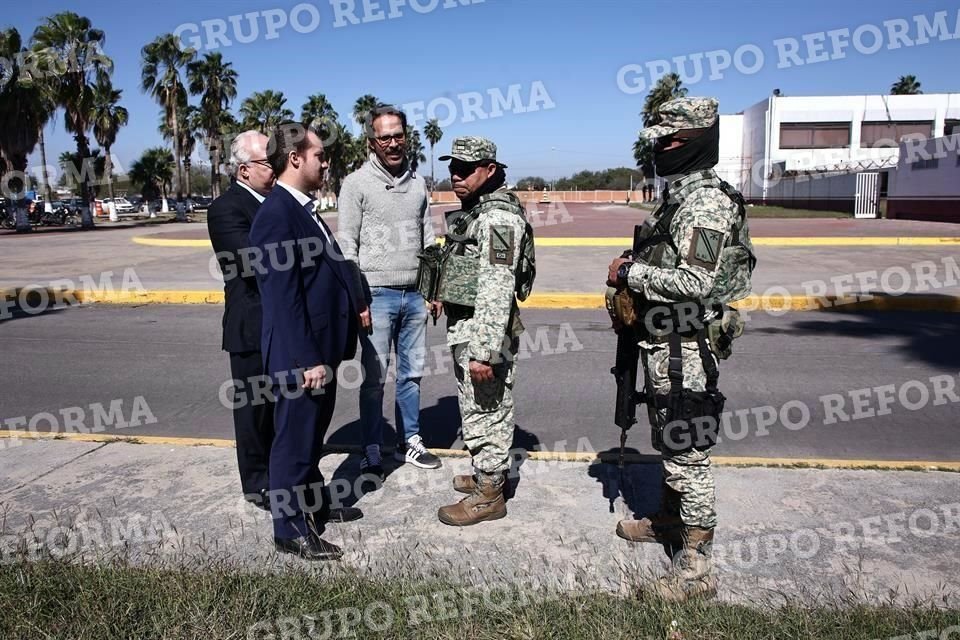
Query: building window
pixel 951 127
pixel 814 135
pixel 889 135
pixel 927 163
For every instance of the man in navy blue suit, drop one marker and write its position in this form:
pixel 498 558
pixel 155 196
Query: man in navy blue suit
pixel 309 327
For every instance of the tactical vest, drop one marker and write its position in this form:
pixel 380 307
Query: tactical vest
pixel 451 275
pixel 651 242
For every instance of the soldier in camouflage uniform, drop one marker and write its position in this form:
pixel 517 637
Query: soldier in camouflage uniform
pixel 484 338
pixel 703 258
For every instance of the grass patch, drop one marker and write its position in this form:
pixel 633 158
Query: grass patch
pixel 55 599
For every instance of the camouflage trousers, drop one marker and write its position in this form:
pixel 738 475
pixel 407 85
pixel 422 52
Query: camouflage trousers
pixel 486 410
pixel 689 474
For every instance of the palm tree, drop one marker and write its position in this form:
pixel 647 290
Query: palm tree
pixel 108 117
pixel 21 117
pixel 318 113
pixel 643 154
pixel 906 86
pixel 188 116
pixel 362 108
pixel 47 87
pixel 71 164
pixel 153 172
pixel 434 133
pixel 69 43
pixel 216 80
pixel 264 111
pixel 414 149
pixel 667 88
pixel 161 61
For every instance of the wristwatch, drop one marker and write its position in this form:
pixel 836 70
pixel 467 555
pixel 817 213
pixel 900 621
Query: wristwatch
pixel 623 271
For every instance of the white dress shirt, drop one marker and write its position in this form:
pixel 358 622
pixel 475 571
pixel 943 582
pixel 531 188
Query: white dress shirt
pixel 256 195
pixel 306 200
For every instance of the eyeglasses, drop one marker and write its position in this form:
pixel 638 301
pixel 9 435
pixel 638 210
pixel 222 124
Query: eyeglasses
pixel 463 169
pixel 386 139
pixel 263 162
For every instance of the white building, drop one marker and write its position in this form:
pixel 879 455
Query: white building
pixel 926 182
pixel 829 136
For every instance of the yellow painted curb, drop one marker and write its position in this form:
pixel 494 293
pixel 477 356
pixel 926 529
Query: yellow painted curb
pixel 171 242
pixel 543 456
pixel 774 303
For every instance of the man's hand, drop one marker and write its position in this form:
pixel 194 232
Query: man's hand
pixel 612 280
pixel 366 322
pixel 480 372
pixel 313 378
pixel 436 309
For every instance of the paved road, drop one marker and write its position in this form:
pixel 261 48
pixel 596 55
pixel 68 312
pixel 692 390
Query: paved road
pixel 170 356
pixel 43 259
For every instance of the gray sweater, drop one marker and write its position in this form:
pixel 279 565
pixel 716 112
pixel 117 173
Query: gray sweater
pixel 383 222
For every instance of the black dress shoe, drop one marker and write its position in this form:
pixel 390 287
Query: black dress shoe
pixel 344 514
pixel 310 547
pixel 261 499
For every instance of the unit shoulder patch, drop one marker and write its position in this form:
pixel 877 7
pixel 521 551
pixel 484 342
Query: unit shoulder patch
pixel 501 244
pixel 705 247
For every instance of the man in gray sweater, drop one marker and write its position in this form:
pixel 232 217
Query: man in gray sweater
pixel 383 223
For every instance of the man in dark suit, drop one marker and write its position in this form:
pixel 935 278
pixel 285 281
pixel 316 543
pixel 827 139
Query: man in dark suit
pixel 229 219
pixel 309 327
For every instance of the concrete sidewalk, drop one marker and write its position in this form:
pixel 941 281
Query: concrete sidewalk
pixel 881 536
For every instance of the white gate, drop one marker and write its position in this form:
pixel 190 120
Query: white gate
pixel 868 189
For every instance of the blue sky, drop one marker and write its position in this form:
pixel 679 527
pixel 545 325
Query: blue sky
pixel 573 49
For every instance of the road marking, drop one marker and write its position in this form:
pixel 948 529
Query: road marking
pixel 557 456
pixel 557 300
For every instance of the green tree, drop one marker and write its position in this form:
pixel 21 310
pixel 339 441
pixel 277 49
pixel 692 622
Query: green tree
pixel 190 119
pixel 264 111
pixel 161 61
pixel 668 87
pixel 362 108
pixel 69 44
pixel 906 86
pixel 21 120
pixel 216 82
pixel 74 169
pixel 434 134
pixel 108 117
pixel 318 113
pixel 153 172
pixel 414 149
pixel 531 182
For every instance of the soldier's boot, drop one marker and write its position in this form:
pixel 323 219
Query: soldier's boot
pixel 465 483
pixel 664 527
pixel 484 503
pixel 691 575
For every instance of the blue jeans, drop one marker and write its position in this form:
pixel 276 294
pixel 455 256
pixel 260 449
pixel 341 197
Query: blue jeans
pixel 399 320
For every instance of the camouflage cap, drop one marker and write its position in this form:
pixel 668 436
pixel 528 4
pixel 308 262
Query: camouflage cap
pixel 473 149
pixel 682 113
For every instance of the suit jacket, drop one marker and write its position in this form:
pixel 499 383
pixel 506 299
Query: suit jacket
pixel 229 219
pixel 309 315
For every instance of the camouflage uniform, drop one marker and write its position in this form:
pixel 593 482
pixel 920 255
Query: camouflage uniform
pixel 703 265
pixel 489 331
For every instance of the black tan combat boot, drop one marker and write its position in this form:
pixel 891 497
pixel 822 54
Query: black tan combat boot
pixel 691 575
pixel 465 483
pixel 484 503
pixel 664 527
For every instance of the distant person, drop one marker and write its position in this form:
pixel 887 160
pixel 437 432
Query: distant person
pixel 229 219
pixel 383 224
pixel 309 328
